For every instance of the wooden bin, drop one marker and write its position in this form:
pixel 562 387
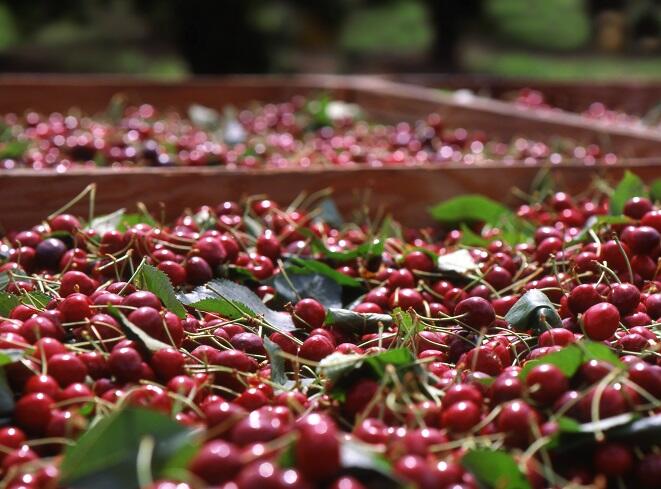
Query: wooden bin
pixel 26 197
pixel 630 96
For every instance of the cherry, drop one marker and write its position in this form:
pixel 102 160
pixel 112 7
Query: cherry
pixel 221 416
pixel 142 298
pixel 44 384
pixel 359 395
pixel 32 412
pixel 418 261
pixel 346 482
pixel 258 426
pixel 649 471
pixel 75 281
pixel 582 297
pixel 546 383
pixel 477 312
pixel 461 416
pixel 482 359
pixel 66 369
pixel 516 418
pixel 637 207
pixel 401 278
pixel 167 363
pixel 506 388
pixel 49 252
pixel 126 364
pixel 175 272
pixel 198 271
pixel 600 321
pixel 216 462
pixel 11 438
pixel 316 348
pixel 415 469
pixel 556 336
pixel 211 250
pixel 406 299
pixel 318 448
pixel 625 297
pixel 613 459
pixel 309 313
pixel 647 376
pixel 643 240
pixel 462 392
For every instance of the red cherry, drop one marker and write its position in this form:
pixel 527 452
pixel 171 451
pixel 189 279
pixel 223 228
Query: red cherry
pixel 318 447
pixel 601 321
pixel 309 314
pixel 546 383
pixel 32 412
pixel 216 462
pixel 461 416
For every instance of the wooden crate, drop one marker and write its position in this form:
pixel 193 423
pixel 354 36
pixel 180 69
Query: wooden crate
pixel 406 193
pixel 634 97
pixel 26 197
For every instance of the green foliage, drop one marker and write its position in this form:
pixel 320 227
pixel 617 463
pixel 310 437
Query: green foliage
pixel 556 25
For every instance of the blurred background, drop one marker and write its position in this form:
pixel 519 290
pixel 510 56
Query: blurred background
pixel 558 39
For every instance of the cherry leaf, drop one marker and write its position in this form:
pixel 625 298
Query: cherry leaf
pixel 106 455
pixel 235 301
pixel 157 282
pixel 630 186
pixel 532 311
pixel 495 468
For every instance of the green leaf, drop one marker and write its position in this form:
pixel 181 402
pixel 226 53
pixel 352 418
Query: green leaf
pixel 300 265
pixel 469 208
pixel 157 282
pixel 4 280
pixel 367 464
pixel 308 285
pixel 356 321
pixel 400 357
pixel 407 324
pixel 235 301
pixel 568 360
pixel 6 395
pixel 372 247
pixel 7 303
pixel 130 220
pixel 36 299
pixel 655 190
pixel 630 186
pixel 278 374
pixel 106 455
pixel 470 237
pixel 532 311
pixel 109 222
pixel 593 350
pixel 14 149
pixel 135 333
pixel 571 357
pixel 495 469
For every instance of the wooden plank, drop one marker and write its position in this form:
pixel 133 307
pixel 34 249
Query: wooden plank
pixel 636 97
pixel 27 197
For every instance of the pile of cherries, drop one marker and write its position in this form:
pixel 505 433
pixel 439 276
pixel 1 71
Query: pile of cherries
pixel 300 133
pixel 465 389
pixel 535 99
